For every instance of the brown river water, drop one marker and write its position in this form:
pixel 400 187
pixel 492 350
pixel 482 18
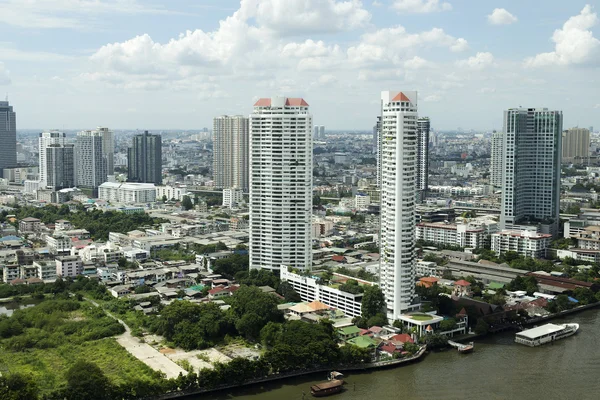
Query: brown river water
pixel 497 369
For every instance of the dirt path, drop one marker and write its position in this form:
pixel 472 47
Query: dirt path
pixel 144 352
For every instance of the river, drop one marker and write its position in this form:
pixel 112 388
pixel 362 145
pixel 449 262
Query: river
pixel 497 369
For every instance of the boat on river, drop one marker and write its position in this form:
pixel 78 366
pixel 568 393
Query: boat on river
pixel 327 388
pixel 546 334
pixel 467 348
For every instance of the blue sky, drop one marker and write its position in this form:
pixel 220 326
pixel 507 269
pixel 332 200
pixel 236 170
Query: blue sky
pixel 176 64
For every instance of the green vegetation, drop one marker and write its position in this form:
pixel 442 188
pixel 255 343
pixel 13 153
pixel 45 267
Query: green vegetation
pixel 186 203
pixel 514 260
pixel 98 223
pixel 526 283
pixel 360 274
pixel 351 286
pixel 421 317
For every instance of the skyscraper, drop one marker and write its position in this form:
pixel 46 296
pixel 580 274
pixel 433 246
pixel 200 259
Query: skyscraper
pixel 531 178
pixel 398 186
pixel 316 134
pixel 46 140
pixel 497 160
pixel 59 166
pixel 230 152
pixel 108 148
pixel 280 184
pixel 322 131
pixel 575 145
pixel 377 140
pixel 8 136
pixel 144 159
pixel 423 126
pixel 90 160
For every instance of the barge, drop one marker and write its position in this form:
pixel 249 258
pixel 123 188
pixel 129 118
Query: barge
pixel 546 334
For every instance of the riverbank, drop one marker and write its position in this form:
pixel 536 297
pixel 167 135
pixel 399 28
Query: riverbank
pixel 275 377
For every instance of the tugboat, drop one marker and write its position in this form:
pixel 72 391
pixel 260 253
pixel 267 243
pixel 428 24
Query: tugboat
pixel 333 385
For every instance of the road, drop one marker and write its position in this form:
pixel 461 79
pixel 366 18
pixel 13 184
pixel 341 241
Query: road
pixel 144 352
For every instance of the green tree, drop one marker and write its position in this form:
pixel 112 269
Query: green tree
pixel 18 387
pixel 254 309
pixel 186 203
pixel 86 381
pixel 482 327
pixel 373 301
pixel 448 324
pixel 164 198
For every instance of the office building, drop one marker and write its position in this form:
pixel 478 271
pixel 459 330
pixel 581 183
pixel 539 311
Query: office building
pixel 575 145
pixel 322 131
pixel 90 160
pixel 531 169
pixel 47 139
pixel 280 184
pixel 497 160
pixel 144 159
pixel 108 148
pixel 8 136
pixel 60 172
pixel 316 132
pixel 398 186
pixel 423 126
pixel 230 152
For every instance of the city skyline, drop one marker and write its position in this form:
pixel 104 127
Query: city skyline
pixel 213 58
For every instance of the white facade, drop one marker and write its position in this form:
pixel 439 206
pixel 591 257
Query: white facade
pixel 127 193
pixel 68 266
pixel 423 125
pixel 59 244
pixel 575 144
pixel 91 164
pixel 230 151
pixel 426 268
pixel 45 140
pixel 398 180
pixel 526 243
pixel 462 235
pixel 497 160
pixel 280 183
pixel 171 192
pixel 362 201
pixel 531 168
pixel 310 290
pixel 232 197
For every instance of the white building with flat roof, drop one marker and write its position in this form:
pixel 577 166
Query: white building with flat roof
pixel 497 159
pixel 127 193
pixel 528 243
pixel 462 235
pixel 280 184
pixel 171 192
pixel 232 197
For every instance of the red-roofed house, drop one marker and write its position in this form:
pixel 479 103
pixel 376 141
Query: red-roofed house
pixel 389 349
pixel 219 292
pixel 462 288
pixel 340 259
pixel 402 338
pixel 428 281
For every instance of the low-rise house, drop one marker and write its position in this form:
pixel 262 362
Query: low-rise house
pixel 68 266
pixel 120 291
pixel 29 225
pixel 462 288
pixel 348 332
pixel 46 270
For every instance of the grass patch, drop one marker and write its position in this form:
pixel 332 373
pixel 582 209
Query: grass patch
pixel 421 317
pixel 48 366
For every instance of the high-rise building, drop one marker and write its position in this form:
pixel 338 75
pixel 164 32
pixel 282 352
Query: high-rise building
pixel 90 160
pixel 316 133
pixel 497 160
pixel 423 127
pixel 398 186
pixel 8 136
pixel 46 140
pixel 531 169
pixel 108 148
pixel 144 159
pixel 575 145
pixel 230 152
pixel 280 184
pixel 322 131
pixel 377 144
pixel 59 167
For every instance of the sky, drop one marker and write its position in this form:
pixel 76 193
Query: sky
pixel 176 64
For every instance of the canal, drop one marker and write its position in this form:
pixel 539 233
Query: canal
pixel 498 369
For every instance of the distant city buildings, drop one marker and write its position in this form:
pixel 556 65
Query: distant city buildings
pixel 232 197
pixel 144 159
pixel 127 193
pixel 497 160
pixel 47 139
pixel 423 127
pixel 91 164
pixel 108 148
pixel 280 184
pixel 575 145
pixel 531 169
pixel 59 166
pixel 8 136
pixel 230 152
pixel 398 188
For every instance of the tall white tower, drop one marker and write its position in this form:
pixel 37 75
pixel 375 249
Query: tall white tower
pixel 497 160
pixel 108 148
pixel 280 184
pixel 230 152
pixel 423 125
pixel 46 140
pixel 90 160
pixel 398 189
pixel 531 178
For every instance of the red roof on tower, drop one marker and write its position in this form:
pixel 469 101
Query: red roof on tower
pixel 401 97
pixel 265 102
pixel 296 102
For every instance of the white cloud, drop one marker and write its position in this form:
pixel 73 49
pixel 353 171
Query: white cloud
pixel 486 90
pixel 574 43
pixel 420 6
pixel 309 48
pixel 501 17
pixel 418 63
pixel 477 62
pixel 377 3
pixel 4 75
pixel 433 98
pixel 70 14
pixel 597 105
pixel 293 17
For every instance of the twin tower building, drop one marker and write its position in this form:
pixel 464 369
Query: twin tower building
pixel 273 149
